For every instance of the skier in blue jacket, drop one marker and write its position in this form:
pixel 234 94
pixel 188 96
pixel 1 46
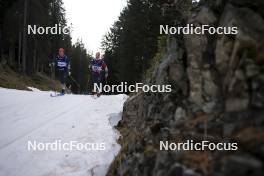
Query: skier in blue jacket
pixel 62 64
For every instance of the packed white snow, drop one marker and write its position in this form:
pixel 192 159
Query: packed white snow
pixel 35 116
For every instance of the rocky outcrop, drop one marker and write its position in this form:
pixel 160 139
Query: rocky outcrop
pixel 218 95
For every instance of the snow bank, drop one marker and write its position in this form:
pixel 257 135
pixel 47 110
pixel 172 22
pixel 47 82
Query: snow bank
pixel 33 89
pixel 35 116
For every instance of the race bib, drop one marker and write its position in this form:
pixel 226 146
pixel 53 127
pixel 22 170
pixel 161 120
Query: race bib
pixel 97 69
pixel 62 64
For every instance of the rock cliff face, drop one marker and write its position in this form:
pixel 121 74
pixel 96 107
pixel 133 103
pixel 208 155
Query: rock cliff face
pixel 218 95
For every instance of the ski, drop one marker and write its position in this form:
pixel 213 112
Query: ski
pixel 56 95
pixel 94 96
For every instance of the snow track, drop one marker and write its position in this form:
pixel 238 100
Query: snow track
pixel 35 116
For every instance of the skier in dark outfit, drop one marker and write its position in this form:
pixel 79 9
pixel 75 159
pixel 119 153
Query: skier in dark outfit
pixel 62 64
pixel 97 66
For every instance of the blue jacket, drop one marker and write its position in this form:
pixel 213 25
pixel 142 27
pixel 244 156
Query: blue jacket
pixel 62 63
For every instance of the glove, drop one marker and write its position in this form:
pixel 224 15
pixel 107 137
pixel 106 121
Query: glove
pixel 52 64
pixel 69 73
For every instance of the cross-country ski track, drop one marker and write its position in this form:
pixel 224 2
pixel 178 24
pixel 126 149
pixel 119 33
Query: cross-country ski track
pixel 34 116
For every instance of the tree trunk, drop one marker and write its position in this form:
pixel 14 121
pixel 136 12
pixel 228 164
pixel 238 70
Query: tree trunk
pixel 11 54
pixel 35 56
pixel 19 49
pixel 20 32
pixel 24 46
pixel 37 66
pixel 1 45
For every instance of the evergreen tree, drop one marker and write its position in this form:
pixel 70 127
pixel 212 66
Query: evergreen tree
pixel 35 53
pixel 132 41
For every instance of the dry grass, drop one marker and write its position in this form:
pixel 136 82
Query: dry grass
pixel 13 80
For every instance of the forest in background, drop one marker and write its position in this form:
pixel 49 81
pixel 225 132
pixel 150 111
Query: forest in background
pixel 132 47
pixel 30 54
